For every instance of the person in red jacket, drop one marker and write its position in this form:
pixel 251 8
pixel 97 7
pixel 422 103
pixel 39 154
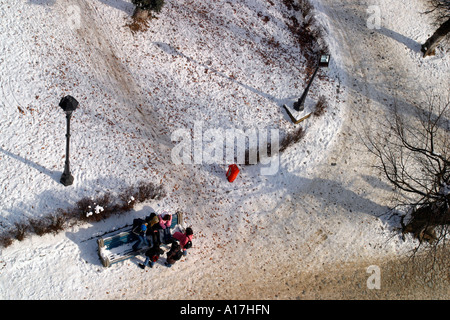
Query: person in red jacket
pixel 184 238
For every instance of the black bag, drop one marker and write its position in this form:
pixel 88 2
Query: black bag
pixel 154 251
pixel 177 255
pixel 137 223
pixel 136 229
pixel 188 245
pixel 175 252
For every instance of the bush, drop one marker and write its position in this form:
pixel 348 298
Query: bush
pixel 308 32
pixel 6 239
pixel 142 13
pixel 250 153
pixel 21 230
pixel 144 191
pixel 291 138
pixel 39 226
pixel 83 206
pixel 128 199
pixel 148 191
pixel 96 209
pixel 55 222
pixel 288 140
pixel 321 106
pixel 86 209
pixel 149 5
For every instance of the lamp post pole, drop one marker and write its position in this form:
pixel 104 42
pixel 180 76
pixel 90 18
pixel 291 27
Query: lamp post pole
pixel 67 178
pixel 68 104
pixel 297 113
pixel 324 60
pixel 300 104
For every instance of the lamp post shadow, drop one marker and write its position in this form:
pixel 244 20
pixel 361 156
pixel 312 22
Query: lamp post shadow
pixel 52 174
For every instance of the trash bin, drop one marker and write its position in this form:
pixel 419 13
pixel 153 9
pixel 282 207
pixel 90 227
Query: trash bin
pixel 232 172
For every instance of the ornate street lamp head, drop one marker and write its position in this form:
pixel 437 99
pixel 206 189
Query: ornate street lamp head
pixel 324 60
pixel 68 104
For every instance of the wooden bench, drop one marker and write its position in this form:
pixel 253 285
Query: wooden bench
pixel 118 247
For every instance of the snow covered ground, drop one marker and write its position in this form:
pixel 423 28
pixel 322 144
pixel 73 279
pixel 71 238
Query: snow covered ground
pixel 214 62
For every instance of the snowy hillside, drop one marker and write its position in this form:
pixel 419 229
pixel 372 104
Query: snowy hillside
pixel 135 90
pixel 226 65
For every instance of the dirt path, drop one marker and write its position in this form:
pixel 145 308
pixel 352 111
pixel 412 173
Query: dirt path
pixel 399 279
pixel 113 73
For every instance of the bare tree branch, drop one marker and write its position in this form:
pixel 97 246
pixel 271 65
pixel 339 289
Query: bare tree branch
pixel 413 154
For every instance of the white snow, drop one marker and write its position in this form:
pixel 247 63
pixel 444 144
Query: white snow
pixel 214 62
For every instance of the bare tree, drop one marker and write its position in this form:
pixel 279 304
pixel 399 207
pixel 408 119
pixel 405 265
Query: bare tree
pixel 414 156
pixel 440 9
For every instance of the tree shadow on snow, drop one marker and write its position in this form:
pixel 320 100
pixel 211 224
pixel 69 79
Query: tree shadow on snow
pixel 409 43
pixel 377 183
pixel 323 196
pixel 42 2
pixel 384 82
pixel 172 51
pixel 334 193
pixel 124 6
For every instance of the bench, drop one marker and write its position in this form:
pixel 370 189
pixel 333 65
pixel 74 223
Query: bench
pixel 118 247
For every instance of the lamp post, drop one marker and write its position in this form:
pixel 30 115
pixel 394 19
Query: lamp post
pixel 68 104
pixel 324 60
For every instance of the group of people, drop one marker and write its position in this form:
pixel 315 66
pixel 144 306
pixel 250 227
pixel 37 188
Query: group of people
pixel 155 227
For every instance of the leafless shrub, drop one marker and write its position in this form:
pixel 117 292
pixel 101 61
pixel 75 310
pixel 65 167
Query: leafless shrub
pixel 96 209
pixel 305 7
pixel 308 32
pixel 20 231
pixel 138 25
pixel 321 106
pixel 86 209
pixel 128 199
pixel 414 156
pixel 147 191
pixel 6 238
pixel 292 138
pixel 83 206
pixel 292 4
pixel 39 226
pixel 253 156
pixel 106 202
pixel 52 223
pixel 56 221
